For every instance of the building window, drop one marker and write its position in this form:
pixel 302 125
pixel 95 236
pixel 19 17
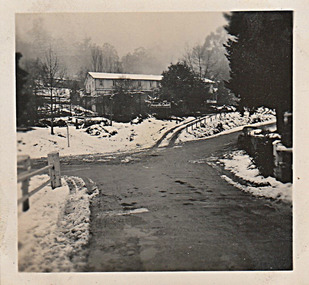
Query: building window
pixel 139 83
pixel 101 82
pixel 150 84
pixel 114 82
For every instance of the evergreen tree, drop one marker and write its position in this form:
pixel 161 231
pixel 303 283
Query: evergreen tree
pixel 33 87
pixel 260 56
pixel 183 88
pixel 225 97
pixel 122 100
pixel 22 98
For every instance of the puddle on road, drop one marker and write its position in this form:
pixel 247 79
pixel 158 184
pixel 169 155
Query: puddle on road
pixel 128 204
pixel 135 211
pixel 127 212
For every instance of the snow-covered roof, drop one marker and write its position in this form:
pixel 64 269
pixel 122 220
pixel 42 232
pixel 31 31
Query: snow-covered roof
pixel 102 75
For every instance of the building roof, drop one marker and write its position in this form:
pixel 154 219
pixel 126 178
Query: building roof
pixel 102 75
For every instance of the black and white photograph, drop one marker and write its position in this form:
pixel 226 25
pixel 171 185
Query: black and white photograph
pixel 154 141
pixel 157 142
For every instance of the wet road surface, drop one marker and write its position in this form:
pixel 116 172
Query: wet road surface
pixel 158 210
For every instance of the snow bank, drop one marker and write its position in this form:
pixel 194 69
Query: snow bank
pixel 53 232
pixel 100 139
pixel 225 124
pixel 241 165
pixel 120 137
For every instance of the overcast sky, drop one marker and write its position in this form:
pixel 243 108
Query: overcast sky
pixel 167 33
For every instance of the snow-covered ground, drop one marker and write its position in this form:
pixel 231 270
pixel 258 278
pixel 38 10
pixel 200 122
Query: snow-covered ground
pixel 241 166
pixel 120 137
pixel 53 232
pixel 98 138
pixel 224 124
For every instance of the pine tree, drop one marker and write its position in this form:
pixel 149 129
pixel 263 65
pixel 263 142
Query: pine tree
pixel 22 97
pixel 260 56
pixel 183 88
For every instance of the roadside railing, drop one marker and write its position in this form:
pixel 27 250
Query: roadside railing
pixel 24 167
pixel 209 118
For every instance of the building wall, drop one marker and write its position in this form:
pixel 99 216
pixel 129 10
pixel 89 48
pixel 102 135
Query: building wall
pixel 108 84
pixel 90 85
pixel 97 89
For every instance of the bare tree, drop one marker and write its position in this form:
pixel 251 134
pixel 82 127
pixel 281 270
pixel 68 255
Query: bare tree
pixel 52 75
pixel 96 58
pixel 198 58
pixel 110 58
pixel 208 60
pixel 104 59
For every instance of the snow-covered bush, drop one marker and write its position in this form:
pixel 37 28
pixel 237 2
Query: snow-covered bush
pixel 80 111
pixel 87 122
pixel 58 122
pixel 136 120
pixel 101 131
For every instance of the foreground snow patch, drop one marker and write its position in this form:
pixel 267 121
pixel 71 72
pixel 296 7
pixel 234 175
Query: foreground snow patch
pixel 241 165
pixel 52 234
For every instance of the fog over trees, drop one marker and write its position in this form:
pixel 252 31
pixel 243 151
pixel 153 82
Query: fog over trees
pixel 81 54
pixel 208 60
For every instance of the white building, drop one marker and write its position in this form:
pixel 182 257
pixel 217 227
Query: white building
pixel 99 87
pixel 99 83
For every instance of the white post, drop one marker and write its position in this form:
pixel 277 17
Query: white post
pixel 54 172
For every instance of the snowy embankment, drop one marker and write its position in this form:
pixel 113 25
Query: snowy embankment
pixel 230 122
pixel 121 137
pixel 249 179
pixel 52 234
pixel 95 139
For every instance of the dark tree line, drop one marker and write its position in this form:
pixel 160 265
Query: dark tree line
pixel 40 75
pixel 22 98
pixel 260 56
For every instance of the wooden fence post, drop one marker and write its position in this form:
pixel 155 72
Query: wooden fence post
pixel 68 135
pixel 25 164
pixel 54 172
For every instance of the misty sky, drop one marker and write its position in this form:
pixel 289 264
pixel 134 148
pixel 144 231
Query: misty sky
pixel 166 34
